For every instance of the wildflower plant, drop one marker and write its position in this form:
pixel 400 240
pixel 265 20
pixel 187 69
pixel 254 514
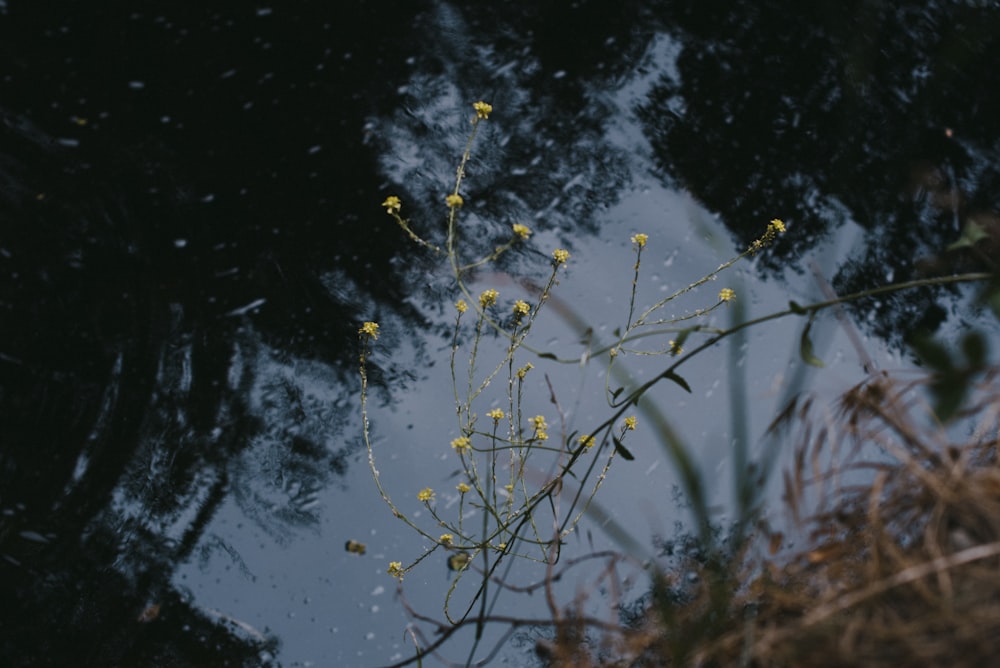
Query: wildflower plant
pixel 526 478
pixel 501 450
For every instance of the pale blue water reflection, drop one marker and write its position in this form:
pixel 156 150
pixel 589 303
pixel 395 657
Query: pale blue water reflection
pixel 341 605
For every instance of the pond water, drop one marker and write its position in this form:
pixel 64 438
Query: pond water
pixel 191 236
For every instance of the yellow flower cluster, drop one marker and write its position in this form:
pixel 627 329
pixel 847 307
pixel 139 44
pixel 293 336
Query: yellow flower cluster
pixel 392 204
pixel 462 488
pixel 462 444
pixel 523 371
pixel 774 228
pixel 587 441
pixel 454 200
pixel 369 329
pixel 726 295
pixel 488 298
pixel 426 494
pixel 560 255
pixel 540 427
pixel 446 539
pixel 461 306
pixel 396 569
pixel 496 414
pixel 675 348
pixel 630 422
pixel 523 231
pixel 483 110
pixel 522 307
pixel 639 239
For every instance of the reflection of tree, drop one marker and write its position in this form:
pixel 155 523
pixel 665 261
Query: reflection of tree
pixel 209 159
pixel 546 160
pixel 879 113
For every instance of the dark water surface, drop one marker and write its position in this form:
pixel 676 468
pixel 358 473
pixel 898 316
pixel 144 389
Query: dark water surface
pixel 190 235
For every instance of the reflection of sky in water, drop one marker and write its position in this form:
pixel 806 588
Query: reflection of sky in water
pixel 273 555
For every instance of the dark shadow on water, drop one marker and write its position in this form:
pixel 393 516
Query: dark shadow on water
pixel 175 185
pixel 879 113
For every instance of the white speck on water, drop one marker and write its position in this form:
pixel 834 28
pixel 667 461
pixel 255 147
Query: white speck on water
pixel 378 591
pixel 180 243
pixel 242 310
pixel 264 11
pixel 34 537
pixel 136 85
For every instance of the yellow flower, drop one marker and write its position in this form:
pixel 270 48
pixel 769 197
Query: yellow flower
pixel 483 110
pixel 426 494
pixel 454 200
pixel 369 329
pixel 462 444
pixel 396 569
pixel 630 422
pixel 540 428
pixel 774 228
pixel 462 487
pixel 639 239
pixel 392 204
pixel 488 298
pixel 522 231
pixel 496 414
pixel 675 348
pixel 726 295
pixel 509 488
pixel 523 371
pixel 560 255
pixel 461 306
pixel 587 441
pixel 446 539
pixel 522 307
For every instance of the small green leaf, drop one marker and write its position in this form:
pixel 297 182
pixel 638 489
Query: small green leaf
pixel 622 450
pixel 974 347
pixel 548 356
pixel 806 347
pixel 935 355
pixel 670 375
pixel 949 389
pixel 972 234
pixel 797 308
pixel 993 299
pixel 615 393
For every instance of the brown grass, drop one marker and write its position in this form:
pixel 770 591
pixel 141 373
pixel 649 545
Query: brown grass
pixel 890 555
